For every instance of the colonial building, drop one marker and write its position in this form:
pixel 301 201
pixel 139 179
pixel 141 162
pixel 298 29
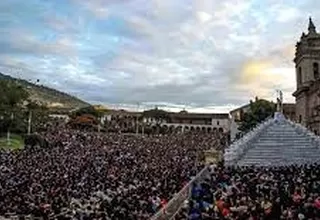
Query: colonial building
pixel 237 114
pixel 182 121
pixel 199 121
pixel 59 113
pixel 307 94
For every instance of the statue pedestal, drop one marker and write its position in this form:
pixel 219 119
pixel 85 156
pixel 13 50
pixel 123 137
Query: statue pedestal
pixel 278 116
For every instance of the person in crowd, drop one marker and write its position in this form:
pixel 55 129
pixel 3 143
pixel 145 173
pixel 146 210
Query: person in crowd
pixel 254 193
pixel 90 175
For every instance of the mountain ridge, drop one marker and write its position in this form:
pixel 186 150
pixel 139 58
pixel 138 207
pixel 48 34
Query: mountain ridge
pixel 47 96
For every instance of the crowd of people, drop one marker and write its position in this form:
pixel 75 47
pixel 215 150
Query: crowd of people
pixel 92 175
pixel 84 174
pixel 254 193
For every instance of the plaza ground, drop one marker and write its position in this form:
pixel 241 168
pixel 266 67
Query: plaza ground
pixel 16 142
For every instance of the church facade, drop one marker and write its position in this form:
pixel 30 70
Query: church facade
pixel 307 94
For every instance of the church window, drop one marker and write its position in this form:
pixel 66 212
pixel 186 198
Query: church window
pixel 299 76
pixel 316 70
pixel 300 118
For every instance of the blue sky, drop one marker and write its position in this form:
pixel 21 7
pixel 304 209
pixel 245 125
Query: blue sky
pixel 207 55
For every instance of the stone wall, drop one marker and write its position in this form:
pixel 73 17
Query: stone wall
pixel 302 109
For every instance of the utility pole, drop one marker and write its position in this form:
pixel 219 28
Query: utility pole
pixel 29 122
pixel 143 121
pixel 137 125
pixel 30 112
pixel 99 128
pixel 8 131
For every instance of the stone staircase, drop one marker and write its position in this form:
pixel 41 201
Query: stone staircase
pixel 281 142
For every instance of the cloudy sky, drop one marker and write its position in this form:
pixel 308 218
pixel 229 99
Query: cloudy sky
pixel 203 55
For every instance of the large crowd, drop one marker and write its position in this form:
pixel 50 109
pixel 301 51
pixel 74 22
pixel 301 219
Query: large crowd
pixel 92 175
pixel 114 175
pixel 254 193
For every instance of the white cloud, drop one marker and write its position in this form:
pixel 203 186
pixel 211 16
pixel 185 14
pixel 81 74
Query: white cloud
pixel 285 13
pixel 30 43
pixel 194 51
pixel 203 16
pixel 173 52
pixel 98 7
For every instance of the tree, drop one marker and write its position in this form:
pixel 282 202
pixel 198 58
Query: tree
pixel 12 94
pixel 12 99
pixel 36 115
pixel 157 114
pixel 90 110
pixel 259 110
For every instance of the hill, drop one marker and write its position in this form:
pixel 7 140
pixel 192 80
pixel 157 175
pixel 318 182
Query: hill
pixel 48 96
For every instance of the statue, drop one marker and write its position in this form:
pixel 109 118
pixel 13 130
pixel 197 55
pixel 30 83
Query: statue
pixel 278 115
pixel 279 102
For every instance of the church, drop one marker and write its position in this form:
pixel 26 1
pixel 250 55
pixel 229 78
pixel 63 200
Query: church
pixel 307 94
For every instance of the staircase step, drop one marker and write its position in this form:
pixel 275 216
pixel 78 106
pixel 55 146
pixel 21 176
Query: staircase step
pixel 280 143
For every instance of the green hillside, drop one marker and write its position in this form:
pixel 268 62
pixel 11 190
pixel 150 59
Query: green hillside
pixel 48 96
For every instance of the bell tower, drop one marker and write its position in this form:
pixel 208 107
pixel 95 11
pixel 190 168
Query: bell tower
pixel 307 60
